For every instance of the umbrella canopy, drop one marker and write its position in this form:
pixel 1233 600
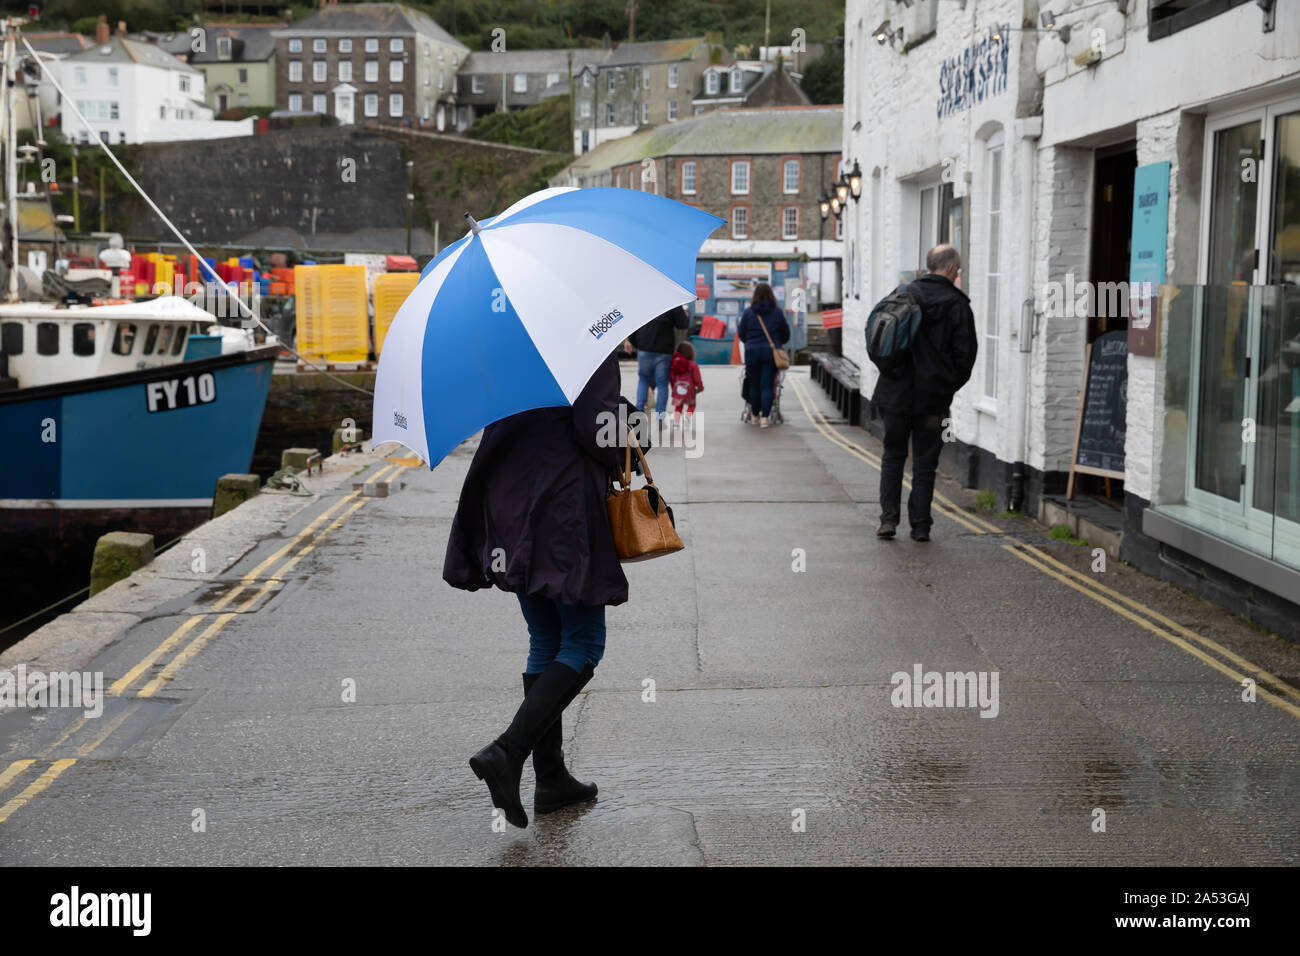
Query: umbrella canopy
pixel 519 312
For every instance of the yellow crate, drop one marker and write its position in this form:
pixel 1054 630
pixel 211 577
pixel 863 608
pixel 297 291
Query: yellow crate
pixel 391 290
pixel 332 321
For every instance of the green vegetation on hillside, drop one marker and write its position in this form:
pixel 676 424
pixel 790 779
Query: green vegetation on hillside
pixel 544 126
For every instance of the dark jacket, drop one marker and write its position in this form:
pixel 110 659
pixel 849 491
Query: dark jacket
pixel 942 355
pixel 536 491
pixel 657 334
pixel 751 333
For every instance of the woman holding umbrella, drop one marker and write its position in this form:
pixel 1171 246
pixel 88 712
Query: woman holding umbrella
pixel 534 301
pixel 532 520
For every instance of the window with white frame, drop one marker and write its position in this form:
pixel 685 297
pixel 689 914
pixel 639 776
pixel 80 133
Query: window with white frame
pixel 223 48
pixel 243 75
pixel 318 103
pixel 395 71
pixel 672 78
pixel 112 76
pixel 609 114
pixel 442 79
pixel 645 77
pixel 394 104
pixel 184 83
pixel 586 80
pixel 295 46
pixel 739 222
pixel 295 71
pixel 395 45
pixel 735 79
pixel 552 79
pixel 645 112
pixel 688 178
pixel 521 83
pixel 584 109
pixel 711 82
pixel 476 84
pixel 372 71
pixel 993 271
pixel 790 222
pixel 345 45
pixel 740 177
pixel 672 110
pixel 318 45
pixel 295 102
pixel 372 44
pixel 318 68
pixel 790 176
pixel 371 102
pixel 345 71
pixel 243 99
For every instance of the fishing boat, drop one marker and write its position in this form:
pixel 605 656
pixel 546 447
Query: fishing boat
pixel 117 415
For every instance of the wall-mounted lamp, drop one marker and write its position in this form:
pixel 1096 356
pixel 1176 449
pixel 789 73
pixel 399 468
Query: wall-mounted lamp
pixel 884 34
pixel 855 181
pixel 824 207
pixel 842 189
pixel 1048 21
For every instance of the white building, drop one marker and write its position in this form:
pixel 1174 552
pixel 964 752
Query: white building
pixel 1032 134
pixel 133 92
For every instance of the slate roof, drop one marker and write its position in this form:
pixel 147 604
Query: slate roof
pixel 373 19
pixel 58 43
pixel 258 44
pixel 131 51
pixel 530 61
pixel 652 51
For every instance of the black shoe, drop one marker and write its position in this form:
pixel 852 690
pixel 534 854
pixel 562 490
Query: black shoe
pixel 920 534
pixel 556 787
pixel 501 763
pixel 886 529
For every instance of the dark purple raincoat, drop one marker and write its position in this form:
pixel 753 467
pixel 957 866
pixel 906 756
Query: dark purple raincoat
pixel 536 491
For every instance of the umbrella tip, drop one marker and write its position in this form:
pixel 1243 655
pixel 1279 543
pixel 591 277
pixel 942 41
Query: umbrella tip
pixel 474 227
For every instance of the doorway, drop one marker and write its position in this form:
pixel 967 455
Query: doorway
pixel 1112 236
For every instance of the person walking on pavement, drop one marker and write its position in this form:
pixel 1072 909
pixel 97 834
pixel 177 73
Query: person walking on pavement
pixel 654 343
pixel 761 330
pixel 532 520
pixel 915 400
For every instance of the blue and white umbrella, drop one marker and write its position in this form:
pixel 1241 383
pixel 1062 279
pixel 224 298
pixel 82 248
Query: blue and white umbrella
pixel 522 310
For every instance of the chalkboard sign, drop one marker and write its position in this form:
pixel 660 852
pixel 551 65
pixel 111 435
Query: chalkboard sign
pixel 1103 403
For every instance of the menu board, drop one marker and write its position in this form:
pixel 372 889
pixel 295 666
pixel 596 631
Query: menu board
pixel 1099 438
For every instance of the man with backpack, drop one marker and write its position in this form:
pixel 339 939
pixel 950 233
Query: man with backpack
pixel 922 337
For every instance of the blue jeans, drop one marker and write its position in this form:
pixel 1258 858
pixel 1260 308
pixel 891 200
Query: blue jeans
pixel 760 378
pixel 652 369
pixel 572 634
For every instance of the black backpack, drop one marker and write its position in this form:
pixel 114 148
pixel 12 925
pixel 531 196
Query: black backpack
pixel 892 327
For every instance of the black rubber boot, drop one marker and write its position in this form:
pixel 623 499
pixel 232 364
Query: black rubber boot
pixel 501 763
pixel 556 787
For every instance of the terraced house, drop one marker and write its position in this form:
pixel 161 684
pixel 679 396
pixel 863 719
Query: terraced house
pixel 369 62
pixel 513 79
pixel 636 85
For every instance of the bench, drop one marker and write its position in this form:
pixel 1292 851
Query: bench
pixel 842 381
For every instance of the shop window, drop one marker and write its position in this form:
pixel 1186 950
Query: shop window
pixel 47 338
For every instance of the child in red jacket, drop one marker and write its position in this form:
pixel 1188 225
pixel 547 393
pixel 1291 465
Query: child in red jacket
pixel 684 382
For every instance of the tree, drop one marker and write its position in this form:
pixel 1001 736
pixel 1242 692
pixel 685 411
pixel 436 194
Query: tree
pixel 823 79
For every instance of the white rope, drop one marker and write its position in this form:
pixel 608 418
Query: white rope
pixel 69 103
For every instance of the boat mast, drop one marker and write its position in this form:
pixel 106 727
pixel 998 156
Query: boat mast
pixel 11 157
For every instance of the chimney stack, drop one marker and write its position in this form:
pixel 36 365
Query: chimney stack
pixel 121 28
pixel 101 30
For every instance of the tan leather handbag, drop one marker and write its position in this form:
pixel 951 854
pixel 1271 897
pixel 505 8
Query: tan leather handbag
pixel 780 356
pixel 640 519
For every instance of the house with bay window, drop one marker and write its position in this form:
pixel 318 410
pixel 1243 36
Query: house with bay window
pixel 1123 180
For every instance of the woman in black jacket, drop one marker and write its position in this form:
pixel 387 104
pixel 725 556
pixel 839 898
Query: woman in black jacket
pixel 532 520
pixel 762 321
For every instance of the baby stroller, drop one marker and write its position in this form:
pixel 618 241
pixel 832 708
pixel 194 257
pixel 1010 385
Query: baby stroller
pixel 747 414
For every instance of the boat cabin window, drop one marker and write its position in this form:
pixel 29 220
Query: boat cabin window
pixel 124 338
pixel 11 338
pixel 165 342
pixel 179 345
pixel 151 338
pixel 47 338
pixel 83 338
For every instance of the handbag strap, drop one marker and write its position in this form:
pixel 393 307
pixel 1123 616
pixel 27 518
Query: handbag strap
pixel 625 474
pixel 762 325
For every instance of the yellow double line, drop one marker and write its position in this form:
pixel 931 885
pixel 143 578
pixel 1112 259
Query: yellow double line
pixel 1228 663
pixel 343 508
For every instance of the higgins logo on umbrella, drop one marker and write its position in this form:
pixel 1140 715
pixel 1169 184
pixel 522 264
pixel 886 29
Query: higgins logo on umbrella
pixel 605 323
pixel 399 419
